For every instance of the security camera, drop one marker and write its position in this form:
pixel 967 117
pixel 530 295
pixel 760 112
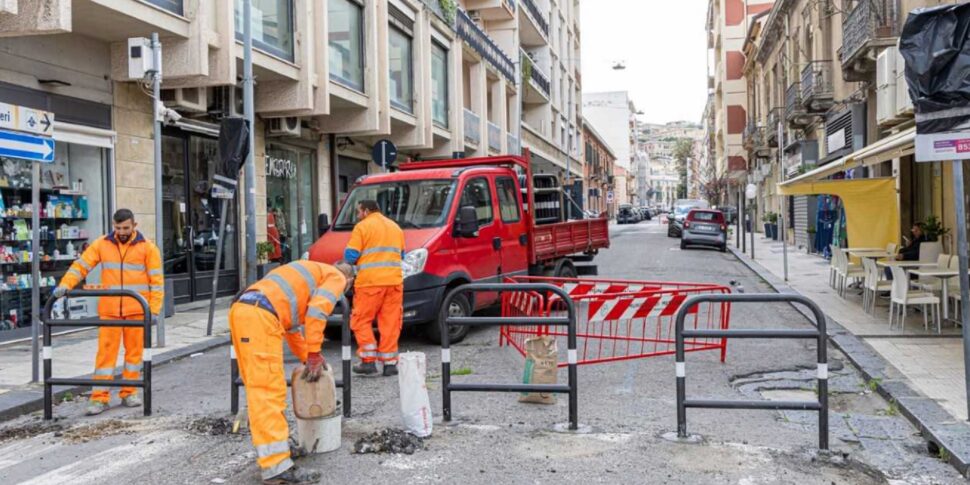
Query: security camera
pixel 167 116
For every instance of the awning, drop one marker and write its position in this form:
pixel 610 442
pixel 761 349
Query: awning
pixel 871 207
pixel 894 146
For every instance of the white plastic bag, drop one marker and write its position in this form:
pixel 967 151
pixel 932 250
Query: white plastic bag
pixel 415 405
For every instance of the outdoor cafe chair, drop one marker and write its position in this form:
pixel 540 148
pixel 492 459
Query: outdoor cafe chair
pixel 903 296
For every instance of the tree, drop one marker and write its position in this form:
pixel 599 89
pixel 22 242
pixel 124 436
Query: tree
pixel 683 151
pixel 714 186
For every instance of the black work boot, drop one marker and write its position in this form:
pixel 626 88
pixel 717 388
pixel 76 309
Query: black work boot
pixel 365 368
pixel 294 475
pixel 390 370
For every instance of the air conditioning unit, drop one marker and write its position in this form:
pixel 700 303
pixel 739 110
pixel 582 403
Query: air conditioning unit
pixel 904 104
pixel 886 86
pixel 280 127
pixel 226 101
pixel 193 100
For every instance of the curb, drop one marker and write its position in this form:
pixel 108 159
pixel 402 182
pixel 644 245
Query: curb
pixel 20 402
pixel 935 424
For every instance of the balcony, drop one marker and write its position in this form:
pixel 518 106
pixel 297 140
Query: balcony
pixel 539 31
pixel 174 6
pixel 872 24
pixel 480 42
pixel 513 144
pixel 817 91
pixel 753 136
pixel 494 137
pixel 492 9
pixel 775 116
pixel 795 112
pixel 473 131
pixel 534 77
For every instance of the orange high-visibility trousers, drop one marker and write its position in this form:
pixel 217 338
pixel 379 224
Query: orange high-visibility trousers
pixel 109 341
pixel 386 304
pixel 257 337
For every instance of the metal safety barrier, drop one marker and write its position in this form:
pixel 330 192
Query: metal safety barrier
pixel 48 352
pixel 345 356
pixel 822 405
pixel 569 321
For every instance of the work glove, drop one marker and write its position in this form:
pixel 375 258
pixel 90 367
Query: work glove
pixel 60 291
pixel 314 366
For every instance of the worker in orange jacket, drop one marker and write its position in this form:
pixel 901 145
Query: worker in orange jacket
pixel 294 297
pixel 376 246
pixel 128 261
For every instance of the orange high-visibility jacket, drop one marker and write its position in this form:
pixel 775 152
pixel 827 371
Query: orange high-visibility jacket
pixel 380 244
pixel 135 265
pixel 303 291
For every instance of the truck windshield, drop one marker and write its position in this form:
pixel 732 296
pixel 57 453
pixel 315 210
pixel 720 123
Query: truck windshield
pixel 411 204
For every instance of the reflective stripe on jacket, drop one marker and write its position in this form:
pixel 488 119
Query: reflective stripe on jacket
pixel 303 291
pixel 380 243
pixel 135 265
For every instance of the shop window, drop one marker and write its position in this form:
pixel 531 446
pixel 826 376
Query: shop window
pixel 439 85
pixel 507 203
pixel 478 195
pixel 346 39
pixel 272 26
pixel 174 6
pixel 402 96
pixel 289 201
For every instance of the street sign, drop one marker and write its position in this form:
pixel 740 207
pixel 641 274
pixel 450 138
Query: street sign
pixel 19 118
pixel 940 147
pixel 609 197
pixel 384 153
pixel 28 147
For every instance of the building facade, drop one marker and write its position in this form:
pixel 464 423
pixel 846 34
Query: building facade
pixel 439 78
pixel 599 175
pixel 658 142
pixel 615 116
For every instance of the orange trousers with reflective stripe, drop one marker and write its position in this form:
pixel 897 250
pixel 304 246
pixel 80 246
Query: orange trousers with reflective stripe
pixel 109 341
pixel 386 305
pixel 257 337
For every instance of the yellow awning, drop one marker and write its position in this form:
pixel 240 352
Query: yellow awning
pixel 871 208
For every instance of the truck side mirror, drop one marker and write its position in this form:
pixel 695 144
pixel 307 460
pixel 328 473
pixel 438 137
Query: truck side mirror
pixel 467 224
pixel 323 224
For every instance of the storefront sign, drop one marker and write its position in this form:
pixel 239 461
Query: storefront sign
pixel 936 147
pixel 836 141
pixel 19 118
pixel 280 167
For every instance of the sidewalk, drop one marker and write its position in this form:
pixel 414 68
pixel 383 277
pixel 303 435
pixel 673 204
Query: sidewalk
pixel 73 354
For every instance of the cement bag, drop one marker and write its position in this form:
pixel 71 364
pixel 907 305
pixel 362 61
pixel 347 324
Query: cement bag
pixel 415 406
pixel 540 368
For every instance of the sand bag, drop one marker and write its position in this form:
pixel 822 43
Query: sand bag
pixel 541 357
pixel 312 400
pixel 415 405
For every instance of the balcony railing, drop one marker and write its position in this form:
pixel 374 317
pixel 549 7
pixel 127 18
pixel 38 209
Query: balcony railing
pixel 817 90
pixel 475 37
pixel 793 101
pixel 870 19
pixel 753 136
pixel 473 133
pixel 513 143
pixel 536 14
pixel 494 137
pixel 539 79
pixel 775 115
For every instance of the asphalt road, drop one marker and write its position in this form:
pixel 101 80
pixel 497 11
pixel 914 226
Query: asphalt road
pixel 626 408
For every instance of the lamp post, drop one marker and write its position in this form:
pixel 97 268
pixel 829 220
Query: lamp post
pixel 750 192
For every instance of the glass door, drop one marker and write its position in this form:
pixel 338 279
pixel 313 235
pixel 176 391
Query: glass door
pixel 290 201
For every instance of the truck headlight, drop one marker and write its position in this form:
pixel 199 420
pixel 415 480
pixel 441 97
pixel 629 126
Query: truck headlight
pixel 413 262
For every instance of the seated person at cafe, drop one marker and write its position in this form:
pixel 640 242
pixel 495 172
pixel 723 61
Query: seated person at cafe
pixel 911 251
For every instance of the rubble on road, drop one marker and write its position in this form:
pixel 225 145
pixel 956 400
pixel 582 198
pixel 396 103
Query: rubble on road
pixel 28 431
pixel 389 441
pixel 95 431
pixel 210 426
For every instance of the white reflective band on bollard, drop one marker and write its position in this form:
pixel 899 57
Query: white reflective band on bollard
pixel 445 355
pixel 146 355
pixel 48 353
pixel 823 371
pixel 345 352
pixel 232 352
pixel 681 369
pixel 571 356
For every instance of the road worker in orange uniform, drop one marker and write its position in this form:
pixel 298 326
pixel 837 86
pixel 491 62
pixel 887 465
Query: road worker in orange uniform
pixel 376 246
pixel 292 302
pixel 128 261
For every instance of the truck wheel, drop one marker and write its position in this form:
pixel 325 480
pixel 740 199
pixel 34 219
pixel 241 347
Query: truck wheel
pixel 564 269
pixel 460 307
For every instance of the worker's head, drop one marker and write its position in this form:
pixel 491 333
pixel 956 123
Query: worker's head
pixel 917 229
pixel 348 271
pixel 124 224
pixel 367 207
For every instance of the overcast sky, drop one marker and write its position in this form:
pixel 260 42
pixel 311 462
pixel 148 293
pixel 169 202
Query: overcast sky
pixel 665 48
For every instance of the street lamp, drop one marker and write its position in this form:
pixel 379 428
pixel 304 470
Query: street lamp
pixel 750 192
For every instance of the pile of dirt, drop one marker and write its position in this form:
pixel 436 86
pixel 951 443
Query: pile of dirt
pixel 95 431
pixel 389 441
pixel 28 431
pixel 211 426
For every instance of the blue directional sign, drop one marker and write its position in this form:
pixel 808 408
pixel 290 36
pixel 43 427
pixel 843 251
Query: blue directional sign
pixel 28 147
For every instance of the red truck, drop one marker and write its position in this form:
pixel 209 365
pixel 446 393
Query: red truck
pixel 464 220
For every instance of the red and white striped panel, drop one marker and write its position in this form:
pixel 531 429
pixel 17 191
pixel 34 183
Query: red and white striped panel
pixel 527 303
pixel 627 308
pixel 599 288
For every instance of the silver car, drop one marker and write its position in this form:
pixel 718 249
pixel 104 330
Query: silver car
pixel 704 227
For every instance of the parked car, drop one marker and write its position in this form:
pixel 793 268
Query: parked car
pixel 627 215
pixel 704 227
pixel 646 214
pixel 679 213
pixel 730 214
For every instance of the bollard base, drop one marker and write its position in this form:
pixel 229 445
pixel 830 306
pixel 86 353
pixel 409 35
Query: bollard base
pixel 564 428
pixel 691 439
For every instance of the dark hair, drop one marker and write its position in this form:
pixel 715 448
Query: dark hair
pixel 122 215
pixel 369 205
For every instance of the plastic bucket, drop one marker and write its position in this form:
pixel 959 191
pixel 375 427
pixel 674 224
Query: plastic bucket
pixel 320 435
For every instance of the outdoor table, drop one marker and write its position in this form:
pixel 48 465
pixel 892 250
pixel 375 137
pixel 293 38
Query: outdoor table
pixel 863 249
pixel 907 264
pixel 877 254
pixel 944 275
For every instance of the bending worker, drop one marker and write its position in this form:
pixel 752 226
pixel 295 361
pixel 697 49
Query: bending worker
pixel 300 292
pixel 377 247
pixel 128 261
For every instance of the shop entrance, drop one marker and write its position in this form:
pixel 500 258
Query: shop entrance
pixel 290 207
pixel 191 219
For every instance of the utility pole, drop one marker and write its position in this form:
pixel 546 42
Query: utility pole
pixel 250 166
pixel 157 127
